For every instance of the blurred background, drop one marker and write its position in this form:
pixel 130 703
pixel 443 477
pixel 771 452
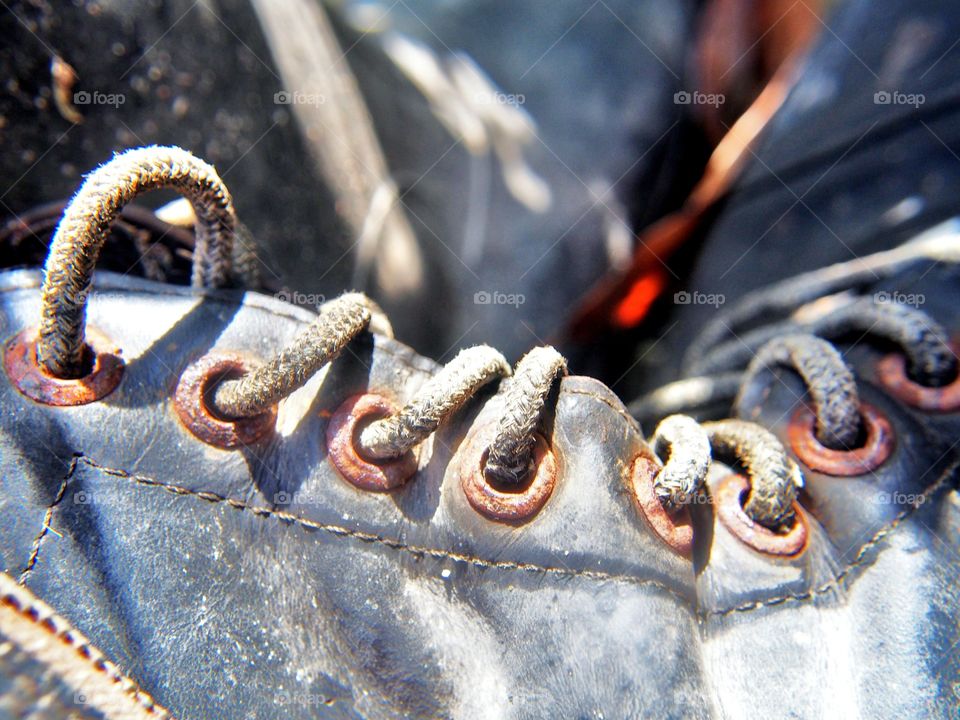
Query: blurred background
pixel 604 176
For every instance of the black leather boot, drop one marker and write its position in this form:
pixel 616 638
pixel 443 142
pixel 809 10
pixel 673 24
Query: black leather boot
pixel 256 511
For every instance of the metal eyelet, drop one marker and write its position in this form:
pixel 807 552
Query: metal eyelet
pixel 729 496
pixel 892 374
pixel 33 380
pixel 877 446
pixel 674 528
pixel 345 426
pixel 505 503
pixel 190 403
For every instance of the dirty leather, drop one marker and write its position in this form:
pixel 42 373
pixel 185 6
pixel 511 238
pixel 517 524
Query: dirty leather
pixel 865 622
pixel 258 583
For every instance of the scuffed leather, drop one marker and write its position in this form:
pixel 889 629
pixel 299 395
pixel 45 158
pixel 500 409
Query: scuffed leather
pixel 866 623
pixel 176 560
pixel 258 583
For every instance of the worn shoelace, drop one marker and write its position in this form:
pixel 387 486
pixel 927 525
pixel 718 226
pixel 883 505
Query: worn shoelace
pixel 339 322
pixel 511 455
pixel 930 361
pixel 441 396
pixel 82 231
pixel 718 377
pixel 684 448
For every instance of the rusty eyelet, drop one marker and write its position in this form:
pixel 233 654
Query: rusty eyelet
pixel 729 497
pixel 31 379
pixel 859 461
pixel 505 504
pixel 191 404
pixel 675 528
pixel 347 422
pixel 892 374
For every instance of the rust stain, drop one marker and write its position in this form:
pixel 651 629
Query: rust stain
pixel 505 504
pixel 34 381
pixel 190 403
pixel 673 528
pixel 729 498
pixel 348 421
pixel 892 374
pixel 877 446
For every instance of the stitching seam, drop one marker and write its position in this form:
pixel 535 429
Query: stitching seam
pixel 47 519
pixel 45 618
pixel 392 543
pixel 420 551
pixel 861 557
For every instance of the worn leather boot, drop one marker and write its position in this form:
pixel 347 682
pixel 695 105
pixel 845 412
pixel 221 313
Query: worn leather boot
pixel 853 369
pixel 258 511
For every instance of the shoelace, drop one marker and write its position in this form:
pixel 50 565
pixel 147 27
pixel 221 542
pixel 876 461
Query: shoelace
pixel 374 444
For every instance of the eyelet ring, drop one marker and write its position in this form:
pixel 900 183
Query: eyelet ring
pixel 190 403
pixel 507 505
pixel 34 381
pixel 876 448
pixel 674 528
pixel 346 423
pixel 729 496
pixel 892 374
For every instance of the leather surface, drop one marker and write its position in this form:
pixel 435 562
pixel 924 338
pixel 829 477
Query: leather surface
pixel 258 583
pixel 177 560
pixel 866 623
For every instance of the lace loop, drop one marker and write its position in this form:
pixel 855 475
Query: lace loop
pixel 930 360
pixel 75 247
pixel 830 382
pixel 687 448
pixel 774 477
pixel 339 322
pixel 510 458
pixel 441 396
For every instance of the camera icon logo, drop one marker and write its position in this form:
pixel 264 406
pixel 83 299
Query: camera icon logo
pixel 80 698
pixel 882 97
pixel 682 97
pixel 682 298
pixel 482 298
pixel 282 498
pixel 82 497
pixel 283 98
pixel 81 98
